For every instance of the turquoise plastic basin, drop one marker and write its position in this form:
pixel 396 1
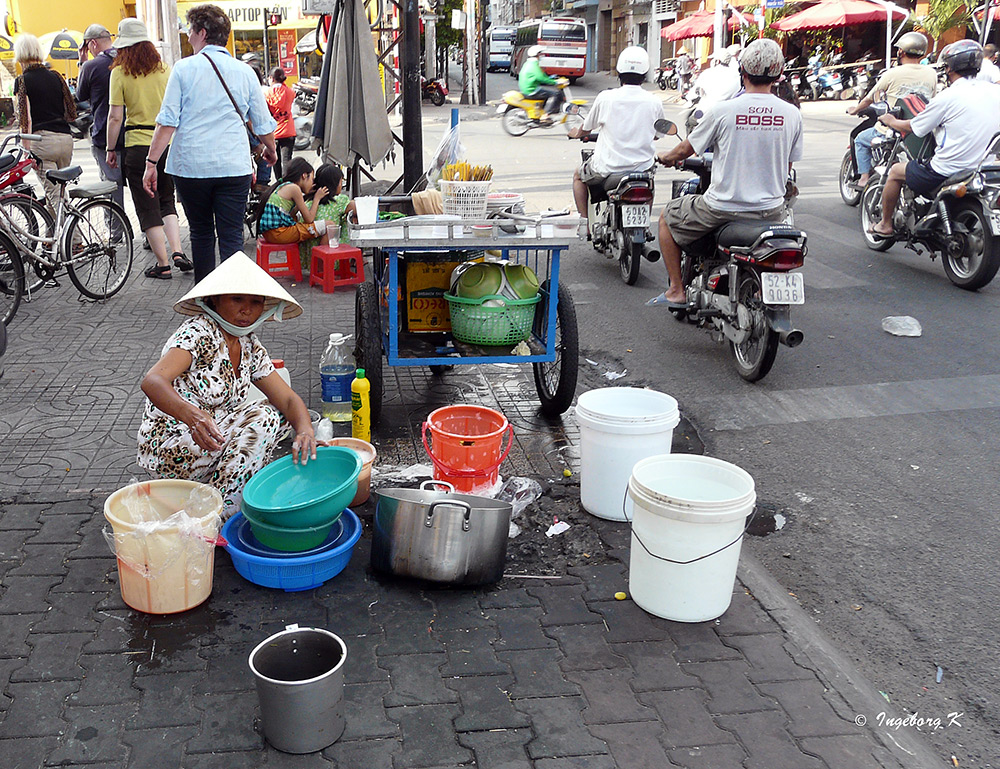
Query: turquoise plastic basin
pixel 303 496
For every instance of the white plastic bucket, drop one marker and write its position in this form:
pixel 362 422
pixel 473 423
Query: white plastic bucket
pixel 164 565
pixel 618 427
pixel 690 514
pixel 300 685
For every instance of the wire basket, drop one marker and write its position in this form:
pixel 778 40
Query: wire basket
pixel 466 199
pixel 493 320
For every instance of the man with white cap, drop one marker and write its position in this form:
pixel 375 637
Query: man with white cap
pixel 92 86
pixel 197 424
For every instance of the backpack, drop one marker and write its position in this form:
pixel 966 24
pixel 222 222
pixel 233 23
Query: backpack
pixel 920 147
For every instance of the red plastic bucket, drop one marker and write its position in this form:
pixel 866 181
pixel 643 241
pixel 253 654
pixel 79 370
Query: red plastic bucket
pixel 467 446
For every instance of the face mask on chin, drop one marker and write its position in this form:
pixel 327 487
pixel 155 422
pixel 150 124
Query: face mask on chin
pixel 240 331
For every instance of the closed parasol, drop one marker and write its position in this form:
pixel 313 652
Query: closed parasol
pixel 831 14
pixel 698 24
pixel 354 120
pixel 307 44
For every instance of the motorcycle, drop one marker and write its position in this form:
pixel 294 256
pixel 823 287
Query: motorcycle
pixel 959 221
pixel 306 91
pixel 520 114
pixel 433 91
pixel 619 213
pixel 850 193
pixel 740 282
pixel 666 75
pixel 303 132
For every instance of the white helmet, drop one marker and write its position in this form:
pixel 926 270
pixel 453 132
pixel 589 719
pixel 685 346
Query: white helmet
pixel 723 57
pixel 534 51
pixel 633 59
pixel 763 58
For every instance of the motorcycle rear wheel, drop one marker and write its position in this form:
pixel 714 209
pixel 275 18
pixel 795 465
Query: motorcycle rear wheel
pixel 849 193
pixel 871 213
pixel 629 257
pixel 515 121
pixel 979 259
pixel 755 356
pixel 437 98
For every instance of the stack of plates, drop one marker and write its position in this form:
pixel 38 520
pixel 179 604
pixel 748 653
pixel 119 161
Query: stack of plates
pixel 504 201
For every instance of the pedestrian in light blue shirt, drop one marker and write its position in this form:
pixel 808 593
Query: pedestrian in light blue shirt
pixel 210 152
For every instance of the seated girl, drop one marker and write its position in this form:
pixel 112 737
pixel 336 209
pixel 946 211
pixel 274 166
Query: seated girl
pixel 285 199
pixel 334 206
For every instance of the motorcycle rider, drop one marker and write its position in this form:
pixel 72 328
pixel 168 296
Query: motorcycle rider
pixel 719 82
pixel 756 137
pixel 536 84
pixel 910 76
pixel 623 118
pixel 964 118
pixel 989 72
pixel 685 69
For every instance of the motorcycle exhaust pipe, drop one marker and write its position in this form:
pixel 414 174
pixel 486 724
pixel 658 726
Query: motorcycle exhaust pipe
pixel 650 254
pixel 791 337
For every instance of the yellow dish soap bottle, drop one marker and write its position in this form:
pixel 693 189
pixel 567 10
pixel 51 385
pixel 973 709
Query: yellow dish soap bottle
pixel 361 411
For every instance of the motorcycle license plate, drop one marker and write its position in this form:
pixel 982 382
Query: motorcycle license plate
pixel 783 288
pixel 502 108
pixel 995 223
pixel 635 216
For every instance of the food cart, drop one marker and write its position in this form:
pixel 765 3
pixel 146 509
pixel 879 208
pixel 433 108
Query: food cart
pixel 384 306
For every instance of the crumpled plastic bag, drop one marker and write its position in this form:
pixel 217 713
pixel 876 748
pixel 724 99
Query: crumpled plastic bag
pixel 902 325
pixel 450 150
pixel 520 492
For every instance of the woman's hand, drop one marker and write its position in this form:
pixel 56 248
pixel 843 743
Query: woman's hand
pixel 112 159
pixel 204 431
pixel 304 446
pixel 149 180
pixel 319 193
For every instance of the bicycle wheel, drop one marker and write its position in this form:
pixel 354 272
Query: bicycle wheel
pixel 11 279
pixel 98 249
pixel 25 214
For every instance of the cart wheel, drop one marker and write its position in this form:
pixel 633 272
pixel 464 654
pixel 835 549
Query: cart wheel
pixel 439 369
pixel 556 381
pixel 368 343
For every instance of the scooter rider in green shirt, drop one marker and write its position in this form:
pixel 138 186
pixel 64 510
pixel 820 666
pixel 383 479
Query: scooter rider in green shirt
pixel 532 81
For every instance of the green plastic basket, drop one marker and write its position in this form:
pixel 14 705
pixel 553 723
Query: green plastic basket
pixel 493 320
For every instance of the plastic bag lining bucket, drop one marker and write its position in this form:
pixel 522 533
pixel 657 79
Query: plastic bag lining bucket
pixel 618 427
pixel 167 569
pixel 466 446
pixel 690 514
pixel 300 686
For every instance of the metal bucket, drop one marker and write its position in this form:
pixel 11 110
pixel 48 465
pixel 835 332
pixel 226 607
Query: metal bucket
pixel 439 536
pixel 300 686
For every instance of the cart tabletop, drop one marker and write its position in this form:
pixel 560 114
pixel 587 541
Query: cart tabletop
pixel 399 234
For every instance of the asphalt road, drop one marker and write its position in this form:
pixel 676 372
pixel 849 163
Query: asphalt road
pixel 879 451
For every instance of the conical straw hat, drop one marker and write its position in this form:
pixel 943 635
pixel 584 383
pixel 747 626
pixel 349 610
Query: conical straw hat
pixel 239 274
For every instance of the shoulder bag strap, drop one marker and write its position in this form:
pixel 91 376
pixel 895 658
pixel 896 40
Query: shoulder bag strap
pixel 228 92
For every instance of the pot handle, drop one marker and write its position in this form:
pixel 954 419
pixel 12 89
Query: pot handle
pixel 429 518
pixel 433 482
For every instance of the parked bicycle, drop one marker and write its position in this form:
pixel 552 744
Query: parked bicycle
pixel 90 236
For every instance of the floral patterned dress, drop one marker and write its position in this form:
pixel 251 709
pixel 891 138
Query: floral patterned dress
pixel 250 430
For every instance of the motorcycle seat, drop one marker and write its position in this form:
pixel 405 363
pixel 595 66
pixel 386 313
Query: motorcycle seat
pixel 743 233
pixel 599 189
pixel 7 161
pixel 961 176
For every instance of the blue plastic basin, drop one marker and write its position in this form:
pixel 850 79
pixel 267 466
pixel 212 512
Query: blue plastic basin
pixel 304 496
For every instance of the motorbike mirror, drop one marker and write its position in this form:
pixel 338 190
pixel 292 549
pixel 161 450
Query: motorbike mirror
pixel 665 127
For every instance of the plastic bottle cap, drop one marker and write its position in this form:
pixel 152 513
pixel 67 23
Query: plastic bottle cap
pixel 336 338
pixel 361 373
pixel 277 362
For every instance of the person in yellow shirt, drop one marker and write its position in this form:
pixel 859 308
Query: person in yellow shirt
pixel 138 80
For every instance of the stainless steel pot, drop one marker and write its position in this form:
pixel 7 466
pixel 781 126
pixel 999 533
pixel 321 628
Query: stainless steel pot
pixel 440 536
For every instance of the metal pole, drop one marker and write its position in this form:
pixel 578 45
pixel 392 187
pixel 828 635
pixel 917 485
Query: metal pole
pixel 267 59
pixel 481 49
pixel 409 59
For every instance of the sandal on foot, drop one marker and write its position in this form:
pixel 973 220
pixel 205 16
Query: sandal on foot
pixel 181 262
pixel 661 299
pixel 156 271
pixel 884 235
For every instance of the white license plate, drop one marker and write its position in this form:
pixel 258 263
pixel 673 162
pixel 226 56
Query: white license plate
pixel 502 108
pixel 635 216
pixel 560 63
pixel 783 288
pixel 995 223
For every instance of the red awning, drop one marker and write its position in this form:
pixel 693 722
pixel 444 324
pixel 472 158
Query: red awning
pixel 831 14
pixel 698 24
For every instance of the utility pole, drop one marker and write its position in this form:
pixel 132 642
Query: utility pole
pixel 271 19
pixel 409 65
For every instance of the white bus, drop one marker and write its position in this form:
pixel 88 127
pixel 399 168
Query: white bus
pixel 501 45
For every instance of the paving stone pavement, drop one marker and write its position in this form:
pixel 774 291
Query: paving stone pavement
pixel 547 673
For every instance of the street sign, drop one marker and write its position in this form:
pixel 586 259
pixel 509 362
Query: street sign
pixel 774 3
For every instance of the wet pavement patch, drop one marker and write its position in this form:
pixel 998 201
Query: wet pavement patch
pixel 767 519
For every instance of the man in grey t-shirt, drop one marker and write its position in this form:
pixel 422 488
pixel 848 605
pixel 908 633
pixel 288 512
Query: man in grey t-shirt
pixel 756 137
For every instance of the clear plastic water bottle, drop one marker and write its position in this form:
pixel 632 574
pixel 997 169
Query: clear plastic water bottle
pixel 336 372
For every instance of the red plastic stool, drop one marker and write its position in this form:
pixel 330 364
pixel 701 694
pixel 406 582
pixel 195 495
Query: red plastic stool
pixel 349 271
pixel 289 265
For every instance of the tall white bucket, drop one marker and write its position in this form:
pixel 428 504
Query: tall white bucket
pixel 689 517
pixel 618 427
